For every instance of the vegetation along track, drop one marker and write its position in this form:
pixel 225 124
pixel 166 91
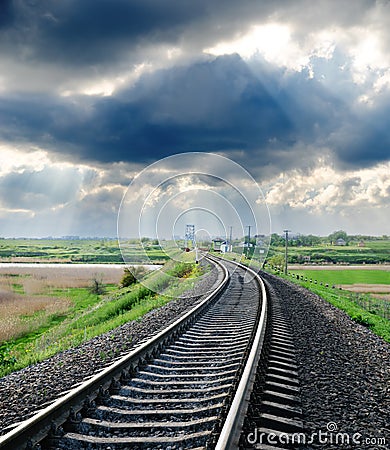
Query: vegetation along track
pixel 187 387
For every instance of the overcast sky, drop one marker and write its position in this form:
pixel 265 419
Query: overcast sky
pixel 93 91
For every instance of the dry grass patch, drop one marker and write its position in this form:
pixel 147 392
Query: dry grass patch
pixel 367 288
pixel 39 280
pixel 6 285
pixel 21 314
pixel 27 299
pixel 385 297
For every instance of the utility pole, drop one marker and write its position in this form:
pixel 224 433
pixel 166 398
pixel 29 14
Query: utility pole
pixel 286 251
pixel 230 240
pixel 249 239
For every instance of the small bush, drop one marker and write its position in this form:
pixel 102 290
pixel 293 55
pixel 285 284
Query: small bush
pixel 181 270
pixel 362 320
pixel 6 358
pixel 97 287
pixel 131 276
pixel 128 278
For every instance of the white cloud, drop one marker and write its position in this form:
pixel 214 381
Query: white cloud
pixel 365 54
pixel 383 82
pixel 18 159
pixel 105 84
pixel 273 41
pixel 326 200
pixel 42 196
pixel 31 181
pixel 327 190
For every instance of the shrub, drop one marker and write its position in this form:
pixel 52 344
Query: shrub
pixel 131 276
pixel 362 320
pixel 97 287
pixel 6 358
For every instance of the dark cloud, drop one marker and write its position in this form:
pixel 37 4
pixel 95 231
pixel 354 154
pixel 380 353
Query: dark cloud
pixel 308 15
pixel 215 105
pixel 277 118
pixel 218 105
pixel 363 138
pixel 91 31
pixel 7 15
pixel 69 46
pixel 96 32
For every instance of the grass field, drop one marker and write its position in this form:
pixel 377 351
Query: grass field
pixel 346 276
pixel 75 251
pixel 368 288
pixel 41 315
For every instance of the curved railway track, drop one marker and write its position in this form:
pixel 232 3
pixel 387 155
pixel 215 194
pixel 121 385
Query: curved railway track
pixel 188 387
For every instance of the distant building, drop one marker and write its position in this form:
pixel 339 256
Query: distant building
pixel 225 247
pixel 361 244
pixel 217 243
pixel 340 241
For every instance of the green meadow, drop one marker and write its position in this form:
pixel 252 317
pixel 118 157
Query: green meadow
pixel 346 276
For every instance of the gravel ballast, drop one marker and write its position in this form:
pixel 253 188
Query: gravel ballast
pixel 344 372
pixel 343 368
pixel 24 392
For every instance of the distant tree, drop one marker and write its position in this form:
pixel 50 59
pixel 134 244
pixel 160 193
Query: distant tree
pixel 252 240
pixel 307 241
pixel 128 278
pixel 338 235
pixel 277 240
pixel 97 287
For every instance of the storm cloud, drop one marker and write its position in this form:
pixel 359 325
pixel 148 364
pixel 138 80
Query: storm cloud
pixel 214 105
pixel 280 87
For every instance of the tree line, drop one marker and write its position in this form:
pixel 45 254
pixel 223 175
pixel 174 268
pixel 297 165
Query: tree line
pixel 311 240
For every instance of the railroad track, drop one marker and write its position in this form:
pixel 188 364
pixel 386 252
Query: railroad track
pixel 274 419
pixel 188 387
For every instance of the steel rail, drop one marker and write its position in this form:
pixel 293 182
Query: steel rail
pixel 37 427
pixel 231 431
